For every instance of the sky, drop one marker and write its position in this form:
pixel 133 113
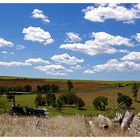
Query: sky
pixel 70 41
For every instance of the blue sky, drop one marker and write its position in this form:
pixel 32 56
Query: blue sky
pixel 78 41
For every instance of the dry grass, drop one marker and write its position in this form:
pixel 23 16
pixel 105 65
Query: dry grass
pixel 54 126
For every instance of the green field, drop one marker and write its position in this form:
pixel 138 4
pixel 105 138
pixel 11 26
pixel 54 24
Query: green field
pixel 87 95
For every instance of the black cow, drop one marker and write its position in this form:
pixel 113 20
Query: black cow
pixel 36 112
pixel 18 110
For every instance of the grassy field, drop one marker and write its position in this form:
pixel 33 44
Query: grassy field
pixel 87 95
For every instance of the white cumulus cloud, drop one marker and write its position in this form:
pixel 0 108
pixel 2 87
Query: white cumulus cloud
pixel 36 34
pixel 67 59
pixel 6 43
pixel 37 61
pixel 114 65
pixel 72 37
pixel 20 47
pixel 118 12
pixel 102 42
pixel 54 69
pixel 132 56
pixel 39 14
pixel 137 37
pixel 13 64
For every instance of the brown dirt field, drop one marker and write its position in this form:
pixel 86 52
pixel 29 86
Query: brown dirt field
pixel 78 85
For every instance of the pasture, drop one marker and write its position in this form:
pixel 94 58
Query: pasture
pixel 87 90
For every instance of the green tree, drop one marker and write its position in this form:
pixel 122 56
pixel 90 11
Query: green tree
pixel 62 99
pixel 135 89
pixel 27 88
pixel 124 101
pixel 39 100
pixel 69 85
pixel 71 99
pixel 46 88
pixel 39 88
pixel 50 99
pixel 100 103
pixel 79 103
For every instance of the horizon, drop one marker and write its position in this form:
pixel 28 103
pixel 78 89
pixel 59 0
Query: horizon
pixel 71 41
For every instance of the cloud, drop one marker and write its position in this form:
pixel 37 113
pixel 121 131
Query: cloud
pixel 39 14
pixel 36 34
pixel 137 37
pixel 4 52
pixel 102 42
pixel 6 43
pixel 132 56
pixel 114 65
pixel 13 64
pixel 39 61
pixel 66 59
pixel 72 37
pixel 53 69
pixel 118 12
pixel 20 47
pixel 76 67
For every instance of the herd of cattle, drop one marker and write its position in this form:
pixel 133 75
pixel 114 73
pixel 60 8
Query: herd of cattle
pixel 18 110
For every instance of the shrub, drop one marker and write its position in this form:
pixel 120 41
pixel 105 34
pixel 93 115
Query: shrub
pixel 54 88
pixel 50 99
pixel 71 99
pixel 46 88
pixel 79 103
pixel 62 99
pixel 39 88
pixel 27 88
pixel 10 96
pixel 69 85
pixel 39 100
pixel 2 89
pixel 100 102
pixel 124 101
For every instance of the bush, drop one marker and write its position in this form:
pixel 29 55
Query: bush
pixel 10 96
pixel 50 99
pixel 3 89
pixel 124 101
pixel 39 100
pixel 71 99
pixel 54 88
pixel 27 88
pixel 100 102
pixel 46 88
pixel 39 88
pixel 62 99
pixel 79 103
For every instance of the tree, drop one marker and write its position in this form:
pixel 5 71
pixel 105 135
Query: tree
pixel 50 99
pixel 39 88
pixel 100 102
pixel 27 88
pixel 79 103
pixel 71 99
pixel 39 100
pixel 135 89
pixel 69 85
pixel 3 89
pixel 46 88
pixel 54 88
pixel 124 101
pixel 62 99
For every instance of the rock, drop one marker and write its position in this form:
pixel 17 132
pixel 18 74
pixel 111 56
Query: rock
pixel 126 120
pixel 118 118
pixel 103 121
pixel 135 126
